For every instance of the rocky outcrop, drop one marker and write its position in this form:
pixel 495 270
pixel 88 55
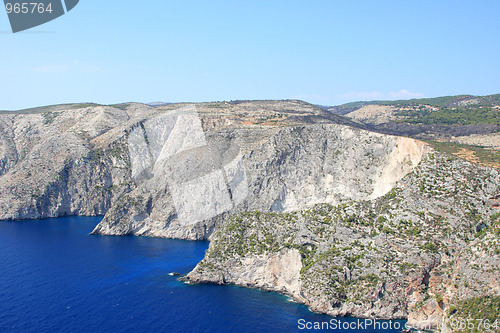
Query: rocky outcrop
pixel 53 165
pixel 374 114
pixel 277 271
pixel 489 140
pixel 413 253
pixel 294 168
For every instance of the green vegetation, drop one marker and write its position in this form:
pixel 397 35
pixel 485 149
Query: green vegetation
pixel 495 217
pixel 443 101
pixel 247 233
pixel 83 105
pixel 483 155
pixel 308 254
pixel 435 102
pixel 122 106
pixel 391 194
pixel 467 115
pixel 481 312
pixel 430 247
pixel 117 150
pixel 48 117
pixel 370 278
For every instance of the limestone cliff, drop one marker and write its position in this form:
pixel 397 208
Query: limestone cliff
pixel 416 252
pixel 178 170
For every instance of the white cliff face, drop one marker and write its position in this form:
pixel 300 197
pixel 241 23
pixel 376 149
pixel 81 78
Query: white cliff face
pixel 295 168
pixel 404 157
pixel 327 163
pixel 176 172
pixel 278 272
pixel 171 161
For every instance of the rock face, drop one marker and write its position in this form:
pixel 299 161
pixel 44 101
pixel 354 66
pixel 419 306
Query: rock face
pixel 294 168
pixel 276 271
pixel 178 170
pixel 413 253
pixel 51 163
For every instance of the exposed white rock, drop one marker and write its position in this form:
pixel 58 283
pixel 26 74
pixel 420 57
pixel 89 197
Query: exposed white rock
pixel 160 172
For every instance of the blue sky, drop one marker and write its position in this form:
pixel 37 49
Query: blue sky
pixel 325 52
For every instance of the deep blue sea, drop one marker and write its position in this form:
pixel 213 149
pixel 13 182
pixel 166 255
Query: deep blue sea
pixel 55 277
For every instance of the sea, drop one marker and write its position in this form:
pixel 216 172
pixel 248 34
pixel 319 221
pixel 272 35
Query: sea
pixel 56 277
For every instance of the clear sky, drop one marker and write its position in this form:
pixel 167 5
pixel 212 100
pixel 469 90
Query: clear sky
pixel 326 52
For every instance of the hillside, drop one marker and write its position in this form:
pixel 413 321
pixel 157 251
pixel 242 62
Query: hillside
pixel 470 124
pixel 438 102
pixel 442 112
pixel 294 198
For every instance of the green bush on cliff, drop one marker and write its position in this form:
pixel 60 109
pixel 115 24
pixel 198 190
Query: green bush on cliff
pixel 430 247
pixel 482 312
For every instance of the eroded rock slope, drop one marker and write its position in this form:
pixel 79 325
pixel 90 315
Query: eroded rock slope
pixel 415 253
pixel 178 170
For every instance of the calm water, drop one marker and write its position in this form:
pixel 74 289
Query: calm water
pixel 55 277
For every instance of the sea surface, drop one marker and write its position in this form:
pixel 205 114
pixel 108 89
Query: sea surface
pixel 55 277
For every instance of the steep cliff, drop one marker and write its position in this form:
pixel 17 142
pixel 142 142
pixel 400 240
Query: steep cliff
pixel 293 168
pixel 178 170
pixel 52 164
pixel 420 249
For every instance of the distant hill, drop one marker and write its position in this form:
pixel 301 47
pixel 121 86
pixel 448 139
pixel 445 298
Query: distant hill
pixel 447 110
pixel 465 125
pixel 427 118
pixel 441 102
